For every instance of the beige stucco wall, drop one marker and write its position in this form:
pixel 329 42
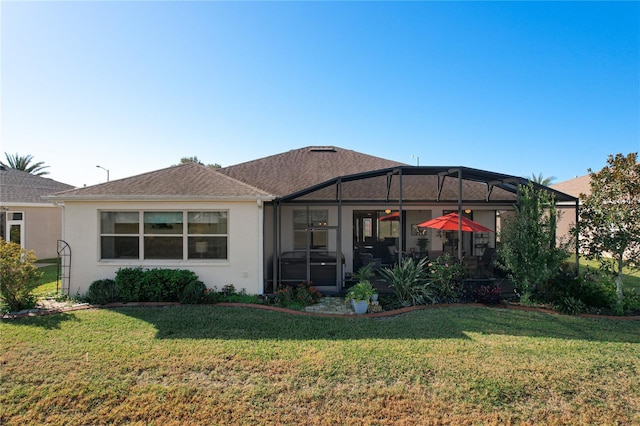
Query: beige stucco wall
pixel 42 228
pixel 243 268
pixel 566 222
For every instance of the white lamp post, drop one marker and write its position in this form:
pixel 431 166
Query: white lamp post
pixel 106 170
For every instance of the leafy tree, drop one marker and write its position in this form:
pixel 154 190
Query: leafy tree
pixel 546 181
pixel 187 160
pixel 23 162
pixel 609 225
pixel 528 251
pixel 18 277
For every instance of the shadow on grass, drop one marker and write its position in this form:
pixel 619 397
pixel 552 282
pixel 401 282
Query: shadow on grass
pixel 48 322
pixel 242 323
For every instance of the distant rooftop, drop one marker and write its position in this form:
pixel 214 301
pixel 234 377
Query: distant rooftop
pixel 17 186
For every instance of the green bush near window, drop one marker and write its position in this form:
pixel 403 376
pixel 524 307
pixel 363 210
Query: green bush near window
pixel 129 284
pixel 193 293
pixel 102 292
pixel 152 285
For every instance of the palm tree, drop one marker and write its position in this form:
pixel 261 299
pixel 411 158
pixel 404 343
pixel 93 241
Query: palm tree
pixel 23 162
pixel 546 181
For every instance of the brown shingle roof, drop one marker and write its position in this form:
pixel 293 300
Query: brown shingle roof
pixel 17 186
pixel 190 180
pixel 295 170
pixel 575 186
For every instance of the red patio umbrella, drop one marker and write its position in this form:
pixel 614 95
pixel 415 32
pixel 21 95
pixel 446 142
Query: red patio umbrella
pixel 392 216
pixel 449 222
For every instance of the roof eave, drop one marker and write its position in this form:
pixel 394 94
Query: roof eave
pixel 113 198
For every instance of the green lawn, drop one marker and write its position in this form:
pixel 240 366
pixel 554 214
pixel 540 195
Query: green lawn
pixel 630 279
pixel 233 365
pixel 47 284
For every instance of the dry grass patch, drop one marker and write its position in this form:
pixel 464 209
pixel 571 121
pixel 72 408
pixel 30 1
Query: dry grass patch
pixel 220 365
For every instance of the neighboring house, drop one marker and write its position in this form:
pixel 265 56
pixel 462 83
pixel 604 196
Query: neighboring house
pixel 575 187
pixel 25 217
pixel 313 213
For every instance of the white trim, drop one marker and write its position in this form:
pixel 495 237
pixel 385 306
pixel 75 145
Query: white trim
pixel 26 205
pixel 11 222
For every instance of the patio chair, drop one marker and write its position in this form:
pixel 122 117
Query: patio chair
pixel 367 258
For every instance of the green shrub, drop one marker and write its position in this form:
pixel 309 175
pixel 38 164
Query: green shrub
pixel 595 289
pixel 166 285
pixel 631 303
pixel 102 291
pixel 529 252
pixel 445 275
pixel 243 298
pixel 228 290
pixel 152 285
pixel 296 296
pixel 570 305
pixel 306 294
pixel 193 293
pixel 284 296
pixel 211 296
pixel 489 294
pixel 18 277
pixel 129 284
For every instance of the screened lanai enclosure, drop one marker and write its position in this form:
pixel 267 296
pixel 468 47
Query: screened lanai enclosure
pixel 326 232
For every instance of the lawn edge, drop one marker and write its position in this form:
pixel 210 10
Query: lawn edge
pixel 395 312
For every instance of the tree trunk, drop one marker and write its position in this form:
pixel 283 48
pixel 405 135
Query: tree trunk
pixel 619 279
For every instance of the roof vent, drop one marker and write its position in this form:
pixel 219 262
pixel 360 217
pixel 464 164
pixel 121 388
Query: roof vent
pixel 322 149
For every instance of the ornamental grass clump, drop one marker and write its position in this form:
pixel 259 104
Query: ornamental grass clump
pixel 409 282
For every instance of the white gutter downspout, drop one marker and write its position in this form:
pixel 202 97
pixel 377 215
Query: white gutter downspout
pixel 61 205
pixel 260 246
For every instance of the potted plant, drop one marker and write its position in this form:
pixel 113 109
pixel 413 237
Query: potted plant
pixel 359 296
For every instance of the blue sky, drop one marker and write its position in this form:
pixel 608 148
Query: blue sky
pixel 512 87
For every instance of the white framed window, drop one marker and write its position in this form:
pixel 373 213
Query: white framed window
pixel 15 227
pixel 120 235
pixel 207 236
pixel 162 235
